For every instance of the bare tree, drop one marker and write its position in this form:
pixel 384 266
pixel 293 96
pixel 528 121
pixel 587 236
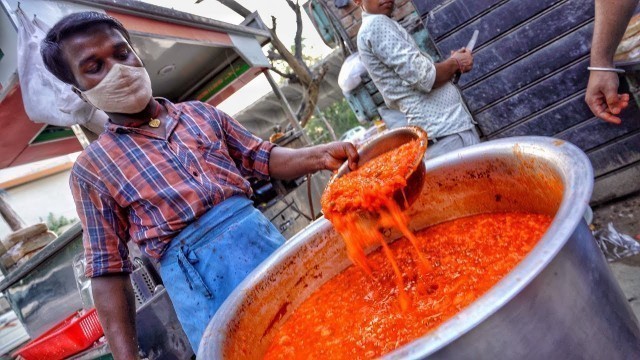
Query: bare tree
pixel 300 73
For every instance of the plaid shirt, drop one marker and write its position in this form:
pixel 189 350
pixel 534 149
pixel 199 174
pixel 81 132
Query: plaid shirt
pixel 133 184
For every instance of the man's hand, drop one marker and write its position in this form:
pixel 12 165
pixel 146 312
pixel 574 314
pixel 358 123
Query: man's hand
pixel 460 61
pixel 287 163
pixel 603 98
pixel 464 58
pixel 335 153
pixel 611 20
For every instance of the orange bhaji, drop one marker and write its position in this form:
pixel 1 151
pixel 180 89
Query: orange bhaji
pixel 361 202
pixel 372 184
pixel 356 316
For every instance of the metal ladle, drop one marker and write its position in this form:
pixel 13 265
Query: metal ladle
pixel 390 140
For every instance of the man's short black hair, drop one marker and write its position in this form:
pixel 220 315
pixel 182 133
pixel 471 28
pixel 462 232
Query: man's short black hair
pixel 69 25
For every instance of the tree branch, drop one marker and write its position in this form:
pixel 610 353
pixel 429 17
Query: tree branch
pixel 235 6
pixel 291 4
pixel 310 99
pixel 298 67
pixel 285 75
pixel 274 55
pixel 298 39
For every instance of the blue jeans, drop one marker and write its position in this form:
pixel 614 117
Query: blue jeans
pixel 210 257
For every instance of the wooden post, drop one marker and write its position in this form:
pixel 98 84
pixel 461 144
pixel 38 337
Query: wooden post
pixel 10 217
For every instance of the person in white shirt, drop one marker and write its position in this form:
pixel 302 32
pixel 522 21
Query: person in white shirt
pixel 410 81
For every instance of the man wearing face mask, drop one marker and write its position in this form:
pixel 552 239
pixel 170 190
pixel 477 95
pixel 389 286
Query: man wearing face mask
pixel 169 177
pixel 410 81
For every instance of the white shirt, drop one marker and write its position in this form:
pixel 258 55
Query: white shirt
pixel 405 77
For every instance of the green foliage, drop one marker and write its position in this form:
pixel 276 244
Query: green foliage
pixel 55 223
pixel 282 66
pixel 317 131
pixel 341 118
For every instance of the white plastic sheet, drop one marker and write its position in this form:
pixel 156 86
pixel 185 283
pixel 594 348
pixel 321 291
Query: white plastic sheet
pixel 614 244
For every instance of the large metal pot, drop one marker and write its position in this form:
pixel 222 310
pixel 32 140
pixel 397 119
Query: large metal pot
pixel 560 302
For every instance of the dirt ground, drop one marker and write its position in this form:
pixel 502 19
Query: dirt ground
pixel 625 215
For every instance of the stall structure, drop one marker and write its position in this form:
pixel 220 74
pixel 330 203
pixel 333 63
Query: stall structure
pixel 529 77
pixel 188 57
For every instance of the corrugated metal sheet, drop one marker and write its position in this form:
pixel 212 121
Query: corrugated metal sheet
pixel 530 77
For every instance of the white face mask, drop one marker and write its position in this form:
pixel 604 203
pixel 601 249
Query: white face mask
pixel 125 89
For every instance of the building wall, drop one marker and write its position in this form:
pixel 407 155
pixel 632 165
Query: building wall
pixel 529 76
pixel 35 200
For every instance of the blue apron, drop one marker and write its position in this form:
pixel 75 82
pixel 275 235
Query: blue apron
pixel 210 257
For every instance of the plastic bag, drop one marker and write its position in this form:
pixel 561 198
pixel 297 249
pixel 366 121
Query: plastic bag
pixel 350 73
pixel 82 281
pixel 615 245
pixel 47 99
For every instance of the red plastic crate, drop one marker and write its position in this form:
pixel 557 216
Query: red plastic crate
pixel 71 336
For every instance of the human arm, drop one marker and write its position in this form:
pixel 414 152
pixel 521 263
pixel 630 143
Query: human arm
pixel 286 163
pixel 115 301
pixel 611 20
pixel 393 47
pixel 256 157
pixel 461 60
pixel 106 254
